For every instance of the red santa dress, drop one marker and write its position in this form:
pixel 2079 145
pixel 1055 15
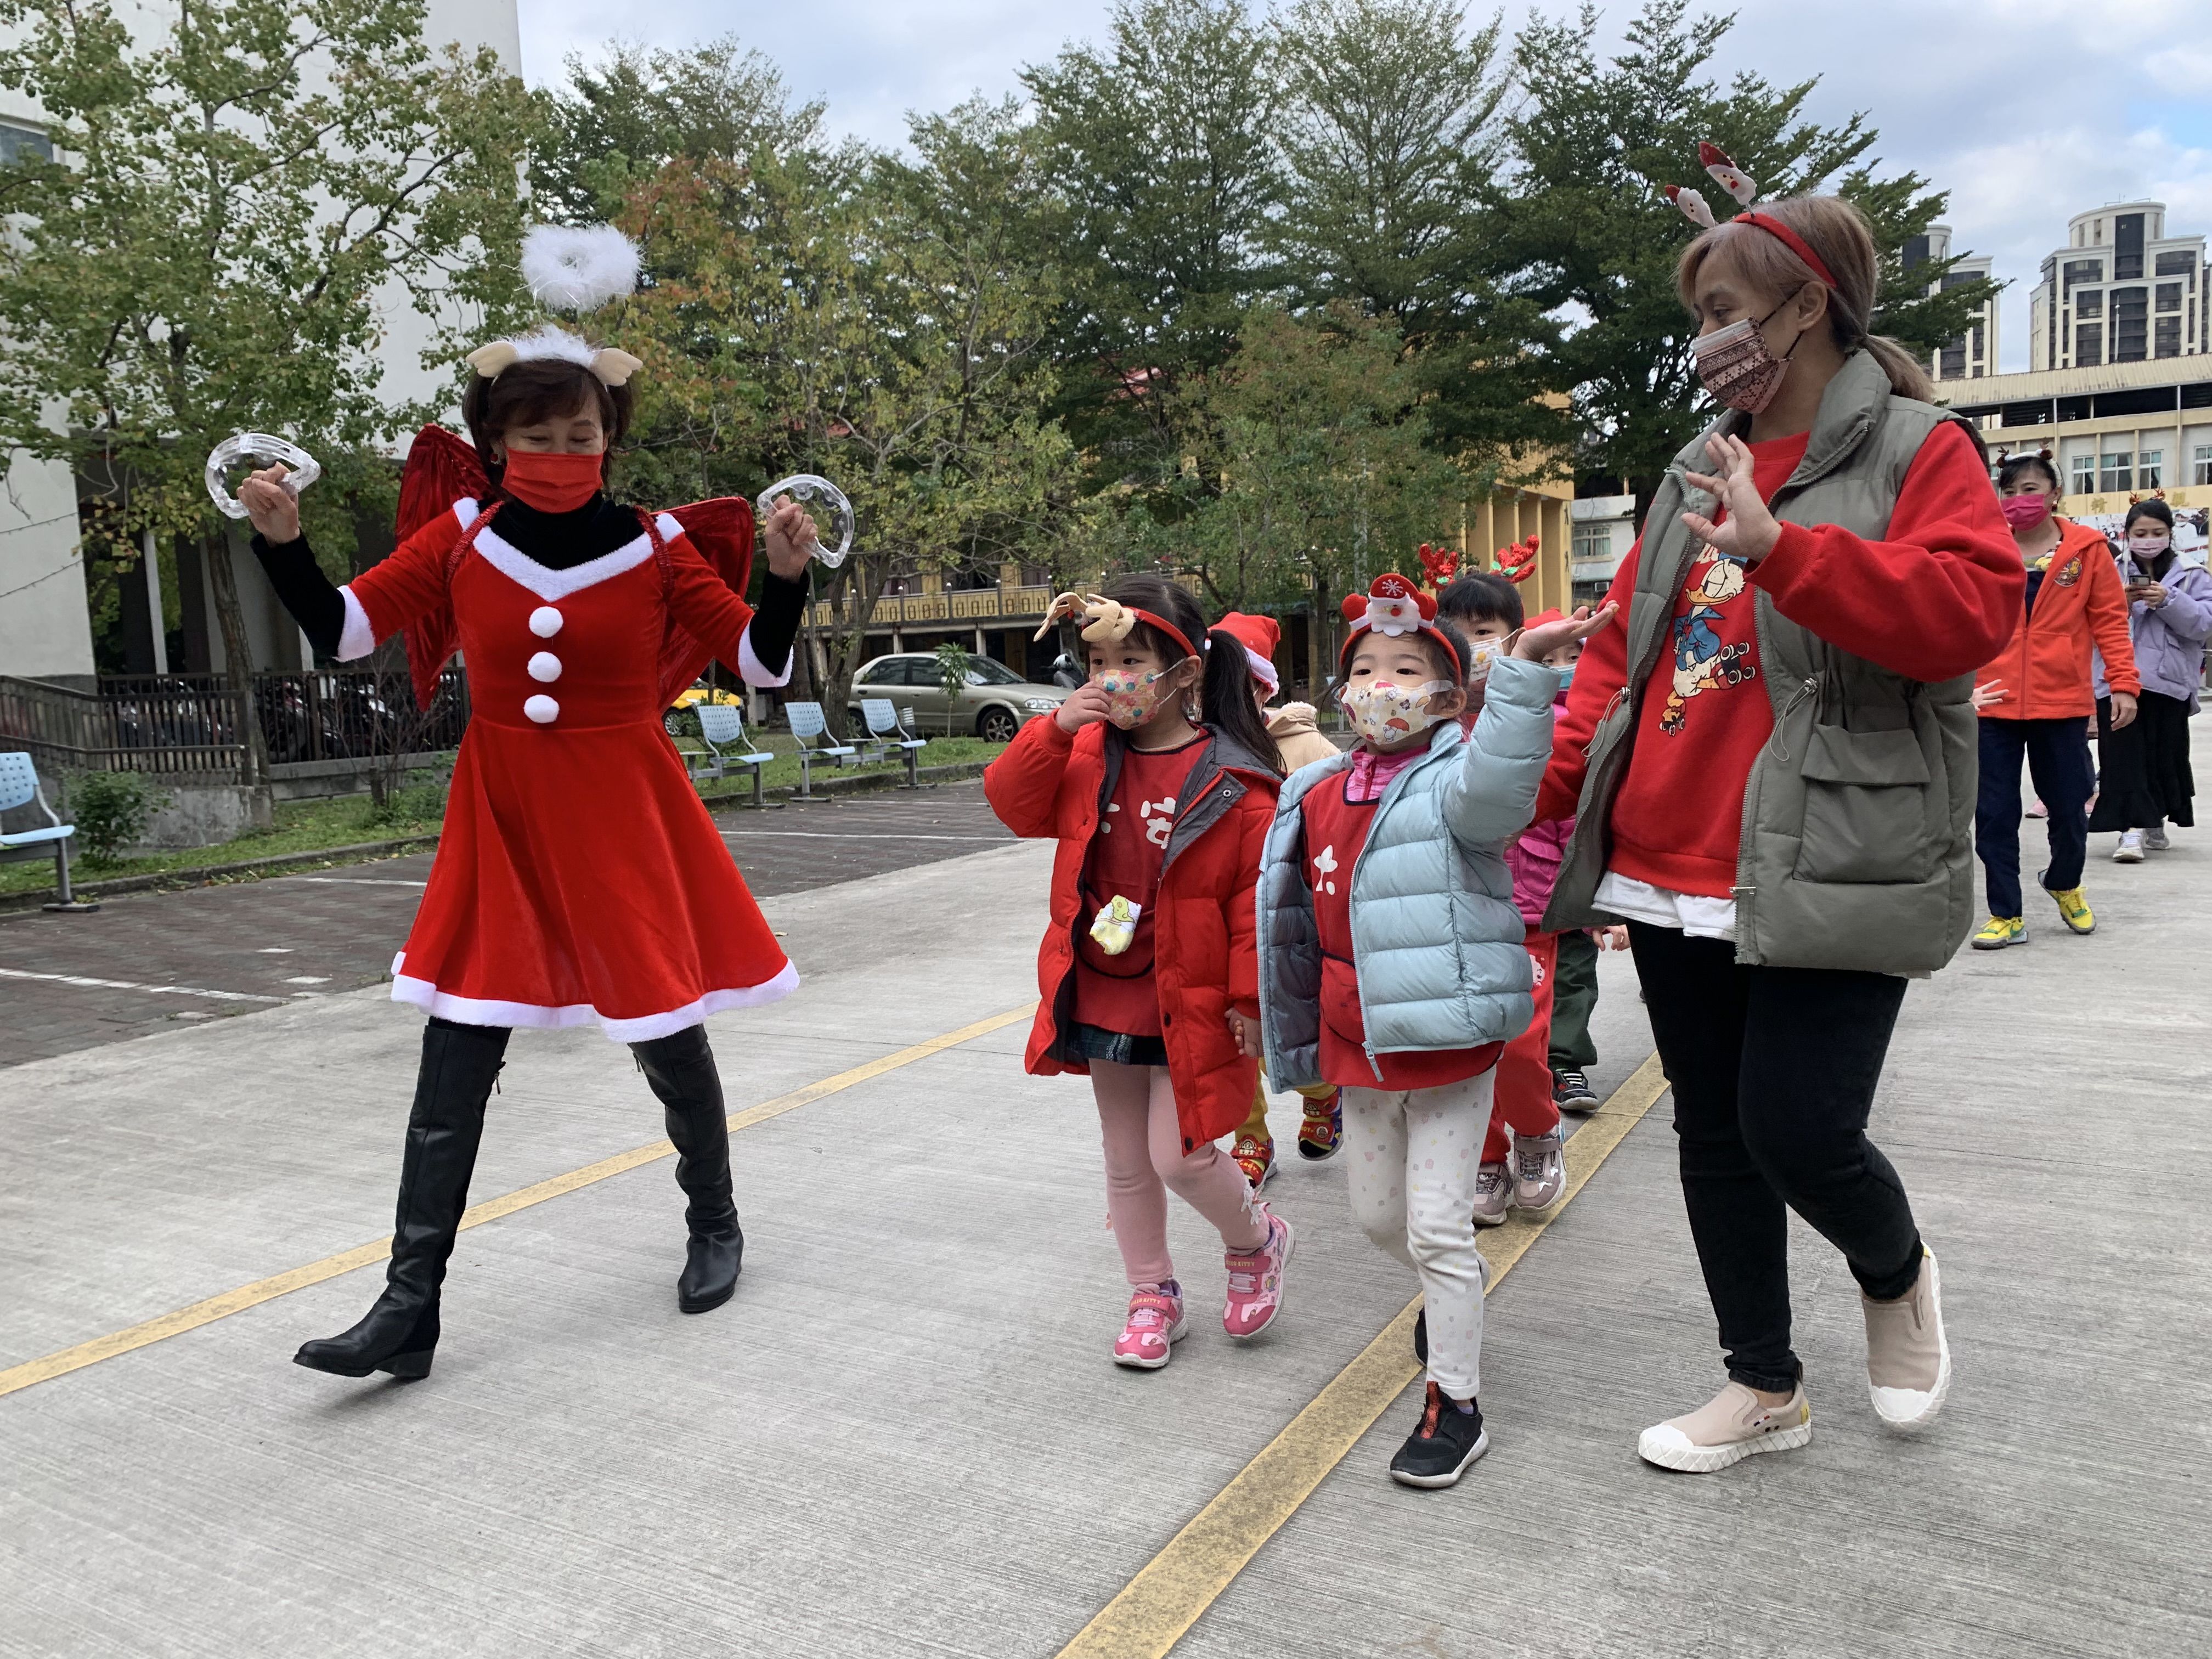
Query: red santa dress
pixel 579 876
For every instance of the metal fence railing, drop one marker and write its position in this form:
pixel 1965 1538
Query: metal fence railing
pixel 179 723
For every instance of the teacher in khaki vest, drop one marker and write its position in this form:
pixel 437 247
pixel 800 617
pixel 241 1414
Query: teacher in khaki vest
pixel 1773 768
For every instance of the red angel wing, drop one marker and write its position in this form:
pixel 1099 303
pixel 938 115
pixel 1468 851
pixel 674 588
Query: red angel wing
pixel 722 530
pixel 442 469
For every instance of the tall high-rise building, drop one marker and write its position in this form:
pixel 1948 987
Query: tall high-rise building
pixel 1973 353
pixel 2120 291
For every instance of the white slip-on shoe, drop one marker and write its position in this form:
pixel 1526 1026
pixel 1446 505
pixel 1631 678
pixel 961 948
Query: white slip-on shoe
pixel 1726 1428
pixel 1908 1356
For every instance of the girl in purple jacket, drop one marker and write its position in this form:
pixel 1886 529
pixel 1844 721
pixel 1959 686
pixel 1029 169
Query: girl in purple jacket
pixel 2143 780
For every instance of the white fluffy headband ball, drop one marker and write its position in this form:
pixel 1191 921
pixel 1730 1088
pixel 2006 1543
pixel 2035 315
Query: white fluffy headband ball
pixel 575 267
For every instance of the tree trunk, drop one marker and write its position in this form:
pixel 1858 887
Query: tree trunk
pixel 238 655
pixel 1316 642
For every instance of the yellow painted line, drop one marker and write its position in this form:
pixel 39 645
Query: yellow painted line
pixel 1166 1598
pixel 191 1318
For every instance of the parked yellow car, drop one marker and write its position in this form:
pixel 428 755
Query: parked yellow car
pixel 691 697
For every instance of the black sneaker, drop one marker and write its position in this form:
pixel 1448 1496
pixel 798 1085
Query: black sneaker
pixel 1571 1092
pixel 1442 1445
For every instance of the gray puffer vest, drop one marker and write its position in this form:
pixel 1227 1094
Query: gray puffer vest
pixel 1856 848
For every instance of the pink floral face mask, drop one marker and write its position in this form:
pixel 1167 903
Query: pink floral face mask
pixel 1131 698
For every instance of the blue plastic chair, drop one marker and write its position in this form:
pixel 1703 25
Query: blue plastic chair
pixel 812 731
pixel 884 725
pixel 18 785
pixel 724 731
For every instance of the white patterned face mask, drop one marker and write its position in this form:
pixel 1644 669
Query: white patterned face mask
pixel 1382 711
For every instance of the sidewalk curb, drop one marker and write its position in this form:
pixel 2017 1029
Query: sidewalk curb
pixel 207 874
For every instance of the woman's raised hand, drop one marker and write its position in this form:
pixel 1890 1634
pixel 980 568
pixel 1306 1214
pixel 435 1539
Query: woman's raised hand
pixel 1534 644
pixel 272 509
pixel 792 539
pixel 1749 533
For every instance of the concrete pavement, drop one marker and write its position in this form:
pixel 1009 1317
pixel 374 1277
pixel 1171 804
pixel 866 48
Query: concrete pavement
pixel 903 1436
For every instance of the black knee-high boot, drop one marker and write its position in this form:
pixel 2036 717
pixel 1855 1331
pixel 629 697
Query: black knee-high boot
pixel 459 1065
pixel 681 1069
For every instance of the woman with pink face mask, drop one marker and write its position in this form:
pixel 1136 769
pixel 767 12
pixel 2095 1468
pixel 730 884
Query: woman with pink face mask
pixel 1158 779
pixel 2145 782
pixel 1770 768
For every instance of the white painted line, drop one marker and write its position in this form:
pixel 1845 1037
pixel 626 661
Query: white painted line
pixel 130 984
pixel 309 979
pixel 274 950
pixel 360 881
pixel 823 834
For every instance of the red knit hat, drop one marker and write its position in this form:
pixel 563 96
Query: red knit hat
pixel 1394 606
pixel 1258 635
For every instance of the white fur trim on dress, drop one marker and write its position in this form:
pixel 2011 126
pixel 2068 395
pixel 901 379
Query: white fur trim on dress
pixel 518 566
pixel 530 1016
pixel 357 638
pixel 755 672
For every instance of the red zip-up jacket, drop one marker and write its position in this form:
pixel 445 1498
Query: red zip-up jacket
pixel 1932 600
pixel 2044 669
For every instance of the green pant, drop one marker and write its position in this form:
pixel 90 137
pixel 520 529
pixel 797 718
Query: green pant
pixel 1574 994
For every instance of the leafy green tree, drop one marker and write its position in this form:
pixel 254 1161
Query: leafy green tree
pixel 1587 235
pixel 237 192
pixel 1159 147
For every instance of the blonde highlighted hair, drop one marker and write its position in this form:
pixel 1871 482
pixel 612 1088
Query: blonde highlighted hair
pixel 1838 232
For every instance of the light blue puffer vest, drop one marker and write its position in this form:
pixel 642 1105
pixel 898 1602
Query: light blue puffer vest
pixel 1436 938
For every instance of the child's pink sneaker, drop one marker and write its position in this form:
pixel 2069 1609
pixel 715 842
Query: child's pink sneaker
pixel 1255 1280
pixel 1155 1325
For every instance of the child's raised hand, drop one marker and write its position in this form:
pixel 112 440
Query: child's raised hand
pixel 1085 705
pixel 273 510
pixel 1534 644
pixel 1245 1031
pixel 1989 694
pixel 792 539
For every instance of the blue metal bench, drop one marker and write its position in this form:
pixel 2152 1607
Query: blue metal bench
pixel 812 733
pixel 723 729
pixel 884 725
pixel 18 785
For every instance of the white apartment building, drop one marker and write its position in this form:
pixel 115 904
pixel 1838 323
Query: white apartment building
pixel 1973 353
pixel 46 630
pixel 2120 291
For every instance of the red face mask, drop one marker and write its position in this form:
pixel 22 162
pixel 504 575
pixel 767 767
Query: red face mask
pixel 549 483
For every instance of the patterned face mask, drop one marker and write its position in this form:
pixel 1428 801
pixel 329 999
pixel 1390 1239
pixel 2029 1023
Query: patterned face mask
pixel 1481 653
pixel 1382 711
pixel 1131 698
pixel 1736 367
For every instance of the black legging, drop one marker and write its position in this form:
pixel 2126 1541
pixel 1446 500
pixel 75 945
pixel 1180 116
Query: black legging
pixel 1774 1072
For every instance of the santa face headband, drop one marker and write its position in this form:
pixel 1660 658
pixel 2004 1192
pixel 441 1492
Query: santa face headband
pixel 1393 607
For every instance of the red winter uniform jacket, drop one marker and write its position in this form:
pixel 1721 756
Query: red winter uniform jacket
pixel 1205 963
pixel 2075 600
pixel 1930 600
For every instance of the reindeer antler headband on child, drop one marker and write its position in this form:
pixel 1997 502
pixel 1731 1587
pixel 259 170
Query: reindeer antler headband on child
pixel 575 268
pixel 1744 189
pixel 1109 622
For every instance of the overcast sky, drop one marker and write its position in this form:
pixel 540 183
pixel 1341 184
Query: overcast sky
pixel 2027 111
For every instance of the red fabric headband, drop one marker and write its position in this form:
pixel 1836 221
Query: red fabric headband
pixel 1791 240
pixel 1165 627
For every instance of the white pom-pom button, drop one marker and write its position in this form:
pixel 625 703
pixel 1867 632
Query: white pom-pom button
pixel 545 667
pixel 543 709
pixel 545 621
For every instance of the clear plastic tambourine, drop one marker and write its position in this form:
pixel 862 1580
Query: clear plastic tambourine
pixel 818 496
pixel 260 450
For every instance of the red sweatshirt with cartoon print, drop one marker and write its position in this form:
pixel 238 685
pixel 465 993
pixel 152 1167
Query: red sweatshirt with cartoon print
pixel 1935 598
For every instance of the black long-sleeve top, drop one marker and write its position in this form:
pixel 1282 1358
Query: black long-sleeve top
pixel 559 541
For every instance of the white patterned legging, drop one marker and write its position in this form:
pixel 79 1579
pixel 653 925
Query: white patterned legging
pixel 1412 1155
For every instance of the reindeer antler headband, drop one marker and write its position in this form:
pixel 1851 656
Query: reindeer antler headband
pixel 1109 622
pixel 575 268
pixel 1744 189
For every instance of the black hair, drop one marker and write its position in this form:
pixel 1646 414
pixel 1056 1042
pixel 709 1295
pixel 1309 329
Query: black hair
pixel 2150 509
pixel 1480 596
pixel 539 389
pixel 1226 696
pixel 2019 463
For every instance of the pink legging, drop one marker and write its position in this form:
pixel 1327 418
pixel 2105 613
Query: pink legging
pixel 1145 1157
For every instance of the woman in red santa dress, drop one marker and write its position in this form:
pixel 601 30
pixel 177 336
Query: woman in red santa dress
pixel 579 877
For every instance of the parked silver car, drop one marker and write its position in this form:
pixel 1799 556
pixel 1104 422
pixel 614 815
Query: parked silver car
pixel 994 704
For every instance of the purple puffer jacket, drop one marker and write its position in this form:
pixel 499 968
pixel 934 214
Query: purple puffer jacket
pixel 1535 858
pixel 2169 641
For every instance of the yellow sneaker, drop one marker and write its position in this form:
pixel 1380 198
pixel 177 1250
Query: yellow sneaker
pixel 2074 910
pixel 2000 930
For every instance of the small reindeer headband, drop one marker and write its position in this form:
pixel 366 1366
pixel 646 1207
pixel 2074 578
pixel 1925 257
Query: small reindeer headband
pixel 1745 190
pixel 569 268
pixel 1109 622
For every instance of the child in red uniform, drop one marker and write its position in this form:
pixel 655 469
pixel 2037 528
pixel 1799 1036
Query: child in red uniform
pixel 1392 960
pixel 631 916
pixel 1158 782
